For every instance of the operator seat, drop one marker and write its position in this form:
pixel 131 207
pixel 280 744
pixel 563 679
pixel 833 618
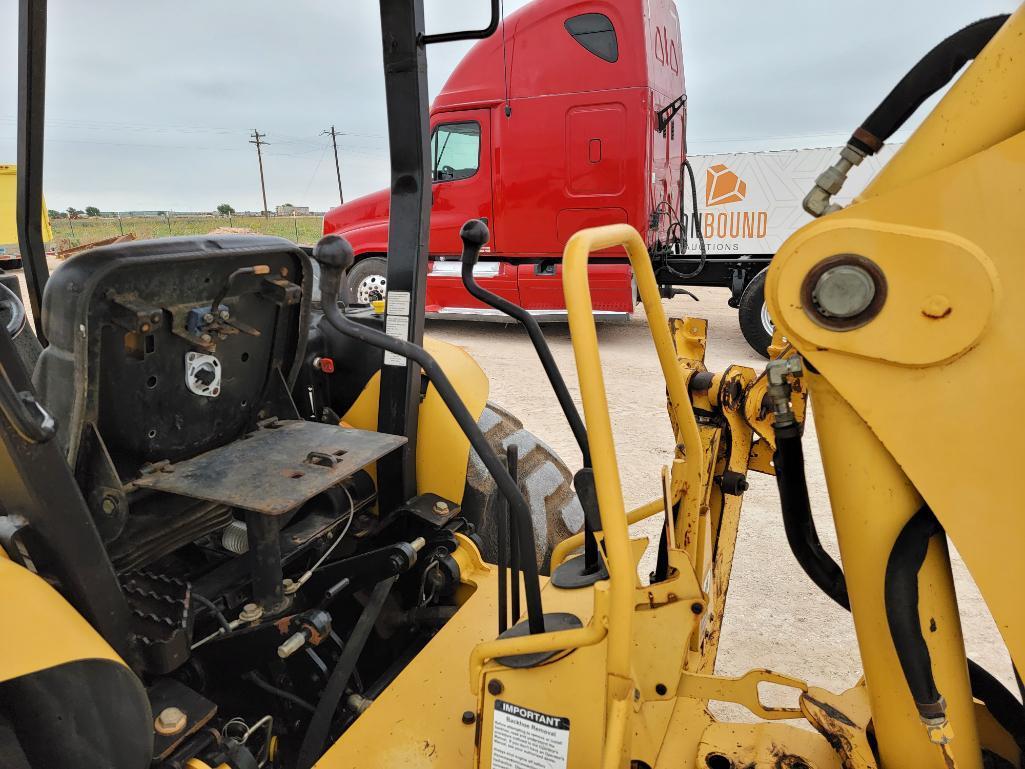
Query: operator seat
pixel 142 362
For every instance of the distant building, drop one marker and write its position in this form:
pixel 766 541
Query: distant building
pixel 289 210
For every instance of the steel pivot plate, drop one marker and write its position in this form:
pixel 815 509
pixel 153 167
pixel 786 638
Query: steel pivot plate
pixel 276 468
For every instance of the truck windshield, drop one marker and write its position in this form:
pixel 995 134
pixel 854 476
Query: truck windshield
pixel 455 148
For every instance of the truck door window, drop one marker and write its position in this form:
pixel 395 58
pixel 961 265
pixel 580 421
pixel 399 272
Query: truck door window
pixel 455 148
pixel 594 31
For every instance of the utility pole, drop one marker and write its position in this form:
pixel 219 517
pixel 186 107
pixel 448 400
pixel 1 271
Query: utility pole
pixel 338 171
pixel 258 141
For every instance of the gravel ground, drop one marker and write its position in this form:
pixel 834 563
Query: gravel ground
pixel 775 617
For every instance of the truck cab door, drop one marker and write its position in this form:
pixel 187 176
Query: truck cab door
pixel 461 176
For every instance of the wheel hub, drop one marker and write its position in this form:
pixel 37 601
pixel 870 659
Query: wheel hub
pixel 767 324
pixel 371 289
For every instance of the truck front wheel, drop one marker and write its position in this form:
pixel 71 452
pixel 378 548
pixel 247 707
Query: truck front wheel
pixel 367 280
pixel 755 323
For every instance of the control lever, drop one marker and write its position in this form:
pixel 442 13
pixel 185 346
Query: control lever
pixel 335 256
pixel 474 234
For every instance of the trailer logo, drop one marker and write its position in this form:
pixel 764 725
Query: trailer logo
pixel 723 229
pixel 723 186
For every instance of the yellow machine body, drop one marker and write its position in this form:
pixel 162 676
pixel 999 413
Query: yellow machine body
pixel 899 421
pixel 908 408
pixel 442 450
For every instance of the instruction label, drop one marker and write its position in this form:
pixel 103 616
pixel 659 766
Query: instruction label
pixel 528 739
pixel 396 323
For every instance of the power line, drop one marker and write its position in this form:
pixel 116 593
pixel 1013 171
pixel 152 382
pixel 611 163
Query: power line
pixel 257 140
pixel 338 170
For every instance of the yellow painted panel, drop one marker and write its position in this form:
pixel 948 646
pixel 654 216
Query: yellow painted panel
pixel 442 451
pixel 40 629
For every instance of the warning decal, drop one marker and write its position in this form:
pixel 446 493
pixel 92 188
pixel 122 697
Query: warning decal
pixel 528 739
pixel 396 323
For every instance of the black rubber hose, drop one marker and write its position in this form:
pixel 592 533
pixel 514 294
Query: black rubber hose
pixel 828 575
pixel 929 75
pixel 697 228
pixel 797 518
pixel 335 254
pixel 320 723
pixel 901 595
pixel 999 701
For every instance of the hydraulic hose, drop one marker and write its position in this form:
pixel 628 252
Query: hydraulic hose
pixel 931 73
pixel 797 518
pixel 901 596
pixel 1003 705
pixel 900 591
pixel 686 166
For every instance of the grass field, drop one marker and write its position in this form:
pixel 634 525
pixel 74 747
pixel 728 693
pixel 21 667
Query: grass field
pixel 76 232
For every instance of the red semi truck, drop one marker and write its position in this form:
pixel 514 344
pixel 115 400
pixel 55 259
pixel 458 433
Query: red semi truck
pixel 575 117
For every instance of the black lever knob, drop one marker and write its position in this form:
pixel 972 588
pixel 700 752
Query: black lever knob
pixel 335 255
pixel 474 234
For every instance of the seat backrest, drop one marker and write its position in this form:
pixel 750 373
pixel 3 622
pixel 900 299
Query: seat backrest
pixel 140 357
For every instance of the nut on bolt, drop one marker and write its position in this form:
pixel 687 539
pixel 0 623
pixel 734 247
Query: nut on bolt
pixel 251 612
pixel 170 721
pixel 441 507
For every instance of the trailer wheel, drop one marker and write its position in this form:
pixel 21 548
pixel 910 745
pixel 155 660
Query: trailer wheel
pixel 755 323
pixel 367 280
pixel 545 480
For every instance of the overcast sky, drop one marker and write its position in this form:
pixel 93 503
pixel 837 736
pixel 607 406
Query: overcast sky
pixel 150 104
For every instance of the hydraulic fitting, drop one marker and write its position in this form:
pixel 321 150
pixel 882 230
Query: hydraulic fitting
pixel 831 181
pixel 778 392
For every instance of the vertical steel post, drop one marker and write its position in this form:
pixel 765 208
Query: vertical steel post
pixel 405 68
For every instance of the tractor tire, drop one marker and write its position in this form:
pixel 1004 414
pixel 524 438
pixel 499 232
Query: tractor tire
pixel 755 323
pixel 367 280
pixel 545 480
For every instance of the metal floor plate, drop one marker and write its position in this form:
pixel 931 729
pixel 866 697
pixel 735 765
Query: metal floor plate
pixel 275 469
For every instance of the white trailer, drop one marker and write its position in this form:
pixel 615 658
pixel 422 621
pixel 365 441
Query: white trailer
pixel 748 204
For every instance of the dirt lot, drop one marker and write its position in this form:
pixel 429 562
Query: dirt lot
pixel 775 617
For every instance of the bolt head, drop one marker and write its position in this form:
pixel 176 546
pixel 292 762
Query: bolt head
pixel 208 317
pixel 469 717
pixel 936 306
pixel 170 721
pixel 441 506
pixel 844 291
pixel 108 505
pixel 495 687
pixel 224 314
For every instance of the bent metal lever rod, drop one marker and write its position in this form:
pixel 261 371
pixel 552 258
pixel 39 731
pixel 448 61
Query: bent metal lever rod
pixel 335 255
pixel 474 234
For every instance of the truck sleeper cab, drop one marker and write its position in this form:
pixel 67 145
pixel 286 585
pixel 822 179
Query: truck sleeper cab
pixel 558 132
